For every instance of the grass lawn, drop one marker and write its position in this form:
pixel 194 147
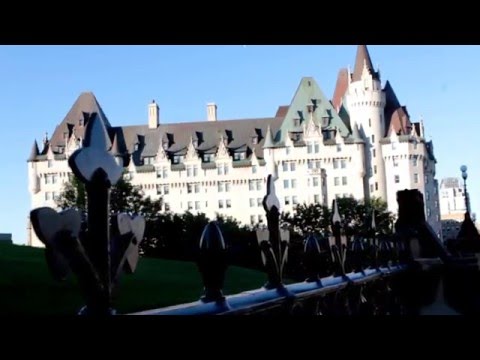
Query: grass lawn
pixel 26 287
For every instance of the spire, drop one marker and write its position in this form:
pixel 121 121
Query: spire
pixel 363 60
pixel 34 152
pixel 268 139
pixel 115 148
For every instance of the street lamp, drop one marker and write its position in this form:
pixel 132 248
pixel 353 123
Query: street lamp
pixel 463 169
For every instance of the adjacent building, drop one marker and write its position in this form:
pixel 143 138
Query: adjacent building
pixel 361 143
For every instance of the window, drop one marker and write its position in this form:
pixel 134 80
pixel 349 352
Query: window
pixel 294 183
pixel 316 199
pixel 252 202
pixel 220 204
pixel 427 195
pixel 195 170
pixel 50 163
pixel 197 205
pixel 415 178
pixel 376 186
pixel 197 188
pixel 315 181
pixel 259 184
pixel 166 189
pixel 159 189
pixel 287 150
pixel 190 205
pixel 374 153
pixel 339 147
pixel 415 145
pixel 220 169
pixel 189 188
pixel 48 196
pixel 159 173
pixel 254 169
pixel 371 187
pixel 252 219
pixel 394 146
pixel 317 164
pixel 221 187
pixel 397 179
pixel 415 161
pixel 227 187
pixel 285 166
pixel 310 164
pixel 208 157
pixel 259 202
pixel 375 169
pixel 260 218
pixel 287 200
pixel 294 200
pixel 309 148
pixel 426 179
pixel 48 179
pixel 229 203
pixel 344 180
pixel 167 207
pixel 335 163
pixel 251 185
pixel 317 147
pixel 343 163
pixel 292 166
pixel 395 162
pixel 149 160
pixel 429 212
pixel 239 156
pixel 373 138
pixel 336 181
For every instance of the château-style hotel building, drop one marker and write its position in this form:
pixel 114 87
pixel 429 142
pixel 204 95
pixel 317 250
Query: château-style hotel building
pixel 361 142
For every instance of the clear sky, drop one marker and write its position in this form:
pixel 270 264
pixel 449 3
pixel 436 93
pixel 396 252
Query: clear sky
pixel 39 84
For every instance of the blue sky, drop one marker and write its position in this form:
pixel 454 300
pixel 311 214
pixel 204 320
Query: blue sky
pixel 41 83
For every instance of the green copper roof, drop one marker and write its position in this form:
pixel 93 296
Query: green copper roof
pixel 308 90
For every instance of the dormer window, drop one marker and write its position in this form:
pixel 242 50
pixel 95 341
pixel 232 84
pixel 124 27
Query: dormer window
pixel 177 159
pixel 239 156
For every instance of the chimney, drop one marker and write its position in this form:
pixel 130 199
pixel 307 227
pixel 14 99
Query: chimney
pixel 153 115
pixel 211 112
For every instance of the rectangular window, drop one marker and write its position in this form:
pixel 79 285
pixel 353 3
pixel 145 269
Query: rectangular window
pixel 166 189
pixel 259 202
pixel 286 184
pixel 48 179
pixel 371 187
pixel 370 122
pixel 197 205
pixel 259 184
pixel 220 186
pixel 227 187
pixel 317 164
pixel 252 202
pixel 195 170
pixel 309 148
pixel 292 166
pixel 376 186
pixel 344 180
pixel 394 146
pixel 427 195
pixel 415 178
pixel 220 204
pixel 317 147
pixel 189 171
pixel 397 179
pixel 197 188
pixel 225 170
pixel 343 163
pixel 374 153
pixel 294 183
pixel 159 189
pixel 190 205
pixel 165 173
pixel 251 185
pixel 220 169
pixel 426 179
pixel 373 139
pixel 294 200
pixel 50 163
pixel 316 199
pixel 167 207
pixel 339 147
pixel 189 188
pixel 315 181
pixel 310 164
pixel 229 203
pixel 415 161
pixel 375 169
pixel 415 146
pixel 336 181
pixel 335 163
pixel 48 196
pixel 287 200
pixel 252 219
pixel 254 169
pixel 287 150
pixel 159 173
pixel 260 218
pixel 285 166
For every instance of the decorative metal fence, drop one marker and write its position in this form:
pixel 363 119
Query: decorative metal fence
pixel 346 274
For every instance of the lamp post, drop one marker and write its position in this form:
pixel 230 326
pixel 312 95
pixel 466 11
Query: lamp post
pixel 463 169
